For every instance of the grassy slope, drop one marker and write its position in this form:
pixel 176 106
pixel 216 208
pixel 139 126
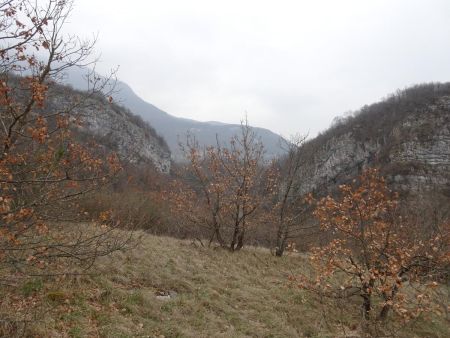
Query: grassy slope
pixel 219 294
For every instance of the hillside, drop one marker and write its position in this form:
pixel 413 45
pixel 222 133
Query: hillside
pixel 174 129
pixel 112 126
pixel 172 288
pixel 407 135
pixel 107 231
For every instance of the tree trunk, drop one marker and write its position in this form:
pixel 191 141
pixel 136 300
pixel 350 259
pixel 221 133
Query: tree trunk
pixel 388 298
pixel 235 238
pixel 219 237
pixel 240 243
pixel 281 242
pixel 384 312
pixel 281 246
pixel 367 306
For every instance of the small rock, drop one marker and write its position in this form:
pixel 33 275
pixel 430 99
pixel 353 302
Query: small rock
pixel 165 297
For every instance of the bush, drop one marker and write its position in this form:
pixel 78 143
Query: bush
pixel 141 210
pixel 376 255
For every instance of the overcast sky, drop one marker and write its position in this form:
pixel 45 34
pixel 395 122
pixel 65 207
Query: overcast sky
pixel 292 66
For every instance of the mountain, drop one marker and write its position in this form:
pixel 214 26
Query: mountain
pixel 112 126
pixel 174 129
pixel 407 136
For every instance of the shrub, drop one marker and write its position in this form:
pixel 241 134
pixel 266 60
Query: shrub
pixel 375 254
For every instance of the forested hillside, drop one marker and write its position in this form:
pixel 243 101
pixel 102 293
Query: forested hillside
pixel 407 136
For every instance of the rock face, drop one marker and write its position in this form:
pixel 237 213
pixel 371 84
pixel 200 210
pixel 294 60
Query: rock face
pixel 114 127
pixel 407 136
pixel 174 129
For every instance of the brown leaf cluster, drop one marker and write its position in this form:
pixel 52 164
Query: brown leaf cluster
pixel 376 254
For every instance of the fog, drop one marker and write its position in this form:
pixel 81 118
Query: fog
pixel 291 66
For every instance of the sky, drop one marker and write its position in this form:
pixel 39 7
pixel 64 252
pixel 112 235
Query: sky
pixel 290 66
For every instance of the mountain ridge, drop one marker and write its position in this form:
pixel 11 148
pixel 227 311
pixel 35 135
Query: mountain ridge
pixel 174 129
pixel 407 136
pixel 112 127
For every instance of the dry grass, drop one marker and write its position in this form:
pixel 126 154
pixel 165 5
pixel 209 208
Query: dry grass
pixel 218 294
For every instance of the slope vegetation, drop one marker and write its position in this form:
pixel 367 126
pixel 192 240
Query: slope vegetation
pixel 172 288
pixel 174 129
pixel 407 135
pixel 112 126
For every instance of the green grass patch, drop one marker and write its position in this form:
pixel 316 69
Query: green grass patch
pixel 32 286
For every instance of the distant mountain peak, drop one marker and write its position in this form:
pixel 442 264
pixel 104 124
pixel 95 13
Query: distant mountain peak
pixel 173 129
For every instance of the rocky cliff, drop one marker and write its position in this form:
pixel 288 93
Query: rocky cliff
pixel 113 127
pixel 174 129
pixel 406 135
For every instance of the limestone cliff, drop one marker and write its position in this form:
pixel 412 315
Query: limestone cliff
pixel 114 127
pixel 407 136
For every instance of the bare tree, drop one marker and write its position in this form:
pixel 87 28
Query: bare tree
pixel 43 171
pixel 224 186
pixel 284 213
